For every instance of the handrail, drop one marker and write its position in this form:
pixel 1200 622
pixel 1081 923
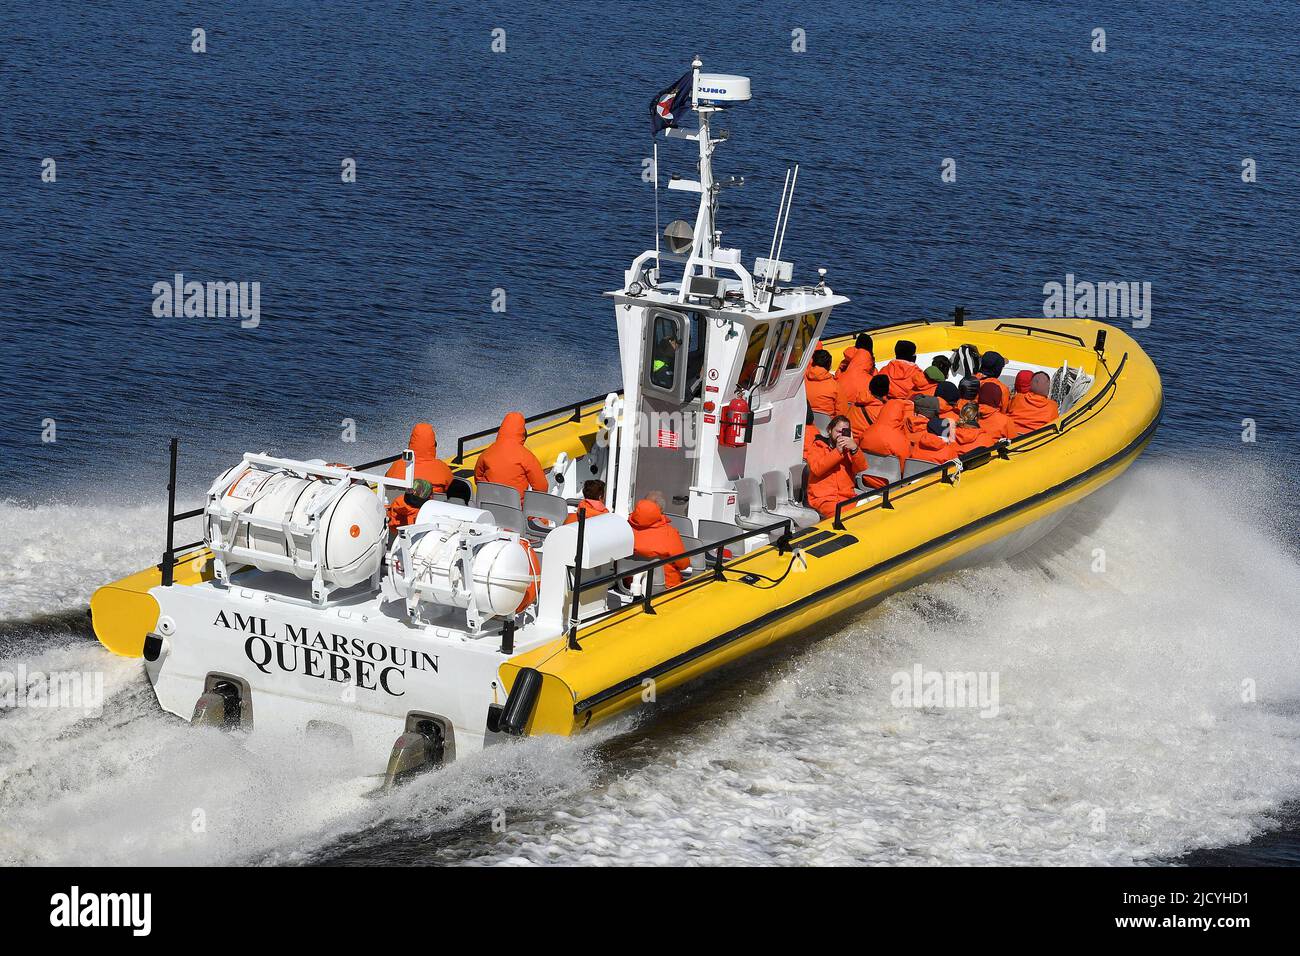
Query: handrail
pixel 647 568
pixel 574 407
pixel 167 566
pixel 1031 329
pixel 958 319
pixel 972 459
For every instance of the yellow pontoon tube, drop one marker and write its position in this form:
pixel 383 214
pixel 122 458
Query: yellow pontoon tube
pixel 1000 501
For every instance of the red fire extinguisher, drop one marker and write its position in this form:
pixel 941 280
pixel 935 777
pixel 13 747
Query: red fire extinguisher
pixel 737 423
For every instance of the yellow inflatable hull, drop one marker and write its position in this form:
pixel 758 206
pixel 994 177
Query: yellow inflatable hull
pixel 704 625
pixel 932 525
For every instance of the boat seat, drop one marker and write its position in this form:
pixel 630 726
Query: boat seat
pixel 681 523
pixel 437 496
pixel 799 483
pixel 638 582
pixel 489 492
pixel 916 466
pixel 883 466
pixel 507 517
pixel 539 508
pixel 778 500
pixel 711 531
pixel 821 420
pixel 698 561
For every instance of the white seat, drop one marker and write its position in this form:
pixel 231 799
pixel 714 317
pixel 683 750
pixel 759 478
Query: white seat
pixel 681 523
pixel 539 508
pixel 487 491
pixel 698 561
pixel 882 466
pixel 507 517
pixel 916 466
pixel 821 420
pixel 780 502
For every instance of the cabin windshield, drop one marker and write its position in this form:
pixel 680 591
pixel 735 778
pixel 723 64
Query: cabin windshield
pixel 664 351
pixel 753 353
pixel 803 337
pixel 778 352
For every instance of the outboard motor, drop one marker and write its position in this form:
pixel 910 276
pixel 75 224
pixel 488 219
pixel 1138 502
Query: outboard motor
pixel 422 747
pixel 220 706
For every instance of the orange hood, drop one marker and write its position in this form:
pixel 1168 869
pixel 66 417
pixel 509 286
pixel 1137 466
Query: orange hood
pixel 647 515
pixel 513 429
pixel 423 441
pixel 816 373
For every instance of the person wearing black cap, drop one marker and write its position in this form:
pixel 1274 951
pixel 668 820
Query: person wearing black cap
pixel 949 398
pixel 991 366
pixel 905 379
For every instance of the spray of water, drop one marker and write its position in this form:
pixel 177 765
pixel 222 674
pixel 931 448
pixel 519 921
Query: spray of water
pixel 1143 709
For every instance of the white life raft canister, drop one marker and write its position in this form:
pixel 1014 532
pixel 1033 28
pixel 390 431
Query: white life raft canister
pixel 502 577
pixel 351 529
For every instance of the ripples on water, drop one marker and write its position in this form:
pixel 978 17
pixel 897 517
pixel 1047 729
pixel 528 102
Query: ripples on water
pixel 1121 692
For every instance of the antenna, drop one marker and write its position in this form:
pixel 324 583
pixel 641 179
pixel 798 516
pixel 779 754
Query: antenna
pixel 778 233
pixel 793 179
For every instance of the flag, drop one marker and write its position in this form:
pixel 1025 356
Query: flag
pixel 670 103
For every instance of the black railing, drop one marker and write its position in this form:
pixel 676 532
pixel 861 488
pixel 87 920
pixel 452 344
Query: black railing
pixel 971 459
pixel 1031 329
pixel 168 564
pixel 574 408
pixel 715 559
pixel 957 318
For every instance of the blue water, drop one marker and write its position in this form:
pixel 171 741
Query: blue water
pixel 521 171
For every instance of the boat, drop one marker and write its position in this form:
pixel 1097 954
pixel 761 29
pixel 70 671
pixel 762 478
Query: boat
pixel 295 616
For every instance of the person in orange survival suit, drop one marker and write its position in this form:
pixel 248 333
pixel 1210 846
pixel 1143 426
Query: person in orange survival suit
pixel 935 375
pixel 993 421
pixel 949 398
pixel 1033 408
pixel 887 437
pixel 991 366
pixel 507 461
pixel 820 387
pixel 592 503
pixel 424 442
pixel 654 537
pixel 856 369
pixel 861 414
pixel 407 505
pixel 833 459
pixel 860 355
pixel 905 379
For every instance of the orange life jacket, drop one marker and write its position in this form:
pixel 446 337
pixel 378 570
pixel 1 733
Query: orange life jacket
pixel 821 389
pixel 424 442
pixel 830 472
pixel 507 461
pixel 653 537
